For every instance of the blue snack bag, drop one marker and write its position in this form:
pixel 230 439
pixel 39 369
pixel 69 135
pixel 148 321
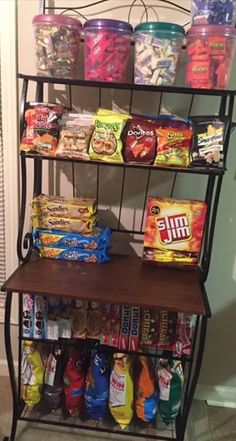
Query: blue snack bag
pixel 97 387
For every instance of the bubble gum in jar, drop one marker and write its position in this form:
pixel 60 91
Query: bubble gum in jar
pixel 157 50
pixel 107 46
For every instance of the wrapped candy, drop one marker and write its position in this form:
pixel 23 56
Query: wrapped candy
pixel 220 12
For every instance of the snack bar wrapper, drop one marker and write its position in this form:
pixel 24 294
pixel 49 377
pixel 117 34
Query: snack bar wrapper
pixel 63 207
pixel 134 331
pixel 32 373
pixel 106 144
pixel 170 380
pixel 79 323
pixel 184 334
pixel 64 223
pixel 115 318
pixel 146 395
pixel 74 254
pixel 94 320
pixel 66 316
pixel 28 315
pixel 166 330
pixel 40 316
pixel 121 390
pixel 124 327
pixel 74 383
pixel 53 317
pixel 174 231
pixel 98 239
pixel 149 328
pixel 208 143
pixel 97 387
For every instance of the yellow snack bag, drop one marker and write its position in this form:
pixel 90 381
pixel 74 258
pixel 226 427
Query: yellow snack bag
pixel 32 372
pixel 121 390
pixel 106 144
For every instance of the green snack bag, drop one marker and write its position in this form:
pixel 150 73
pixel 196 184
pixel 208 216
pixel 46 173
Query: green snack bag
pixel 106 144
pixel 170 377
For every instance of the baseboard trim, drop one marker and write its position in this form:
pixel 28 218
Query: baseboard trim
pixel 4 369
pixel 217 396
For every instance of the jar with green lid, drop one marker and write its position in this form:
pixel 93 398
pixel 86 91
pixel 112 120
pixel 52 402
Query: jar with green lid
pixel 157 50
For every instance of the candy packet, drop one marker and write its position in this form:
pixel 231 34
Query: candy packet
pixel 208 141
pixel 75 134
pixel 64 207
pixel 97 387
pixel 121 390
pixel 170 380
pixel 74 383
pixel 32 373
pixel 106 144
pixel 42 128
pixel 145 395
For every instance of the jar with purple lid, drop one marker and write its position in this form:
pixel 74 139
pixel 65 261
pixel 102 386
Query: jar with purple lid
pixel 107 49
pixel 57 41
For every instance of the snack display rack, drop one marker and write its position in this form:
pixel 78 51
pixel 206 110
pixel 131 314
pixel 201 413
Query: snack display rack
pixel 125 280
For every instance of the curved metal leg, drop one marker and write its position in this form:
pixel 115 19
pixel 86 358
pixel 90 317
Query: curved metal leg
pixel 182 422
pixel 8 348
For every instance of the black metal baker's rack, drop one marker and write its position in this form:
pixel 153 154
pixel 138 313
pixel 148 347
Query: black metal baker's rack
pixel 39 276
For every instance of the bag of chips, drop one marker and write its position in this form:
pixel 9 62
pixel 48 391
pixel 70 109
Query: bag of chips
pixel 97 387
pixel 32 372
pixel 42 128
pixel 139 139
pixel 106 144
pixel 74 383
pixel 173 146
pixel 121 390
pixel 53 390
pixel 75 135
pixel 146 395
pixel 170 380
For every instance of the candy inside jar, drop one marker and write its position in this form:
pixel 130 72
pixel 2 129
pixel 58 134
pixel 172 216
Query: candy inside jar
pixel 107 49
pixel 210 52
pixel 57 41
pixel 220 12
pixel 157 51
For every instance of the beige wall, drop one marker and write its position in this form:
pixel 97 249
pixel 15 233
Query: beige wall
pixel 218 368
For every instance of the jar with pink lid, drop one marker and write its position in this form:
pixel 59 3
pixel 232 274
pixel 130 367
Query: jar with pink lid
pixel 57 41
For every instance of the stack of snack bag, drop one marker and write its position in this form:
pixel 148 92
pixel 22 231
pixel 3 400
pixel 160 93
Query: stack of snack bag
pixel 65 229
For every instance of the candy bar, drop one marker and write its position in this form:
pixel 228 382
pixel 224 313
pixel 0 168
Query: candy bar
pixel 53 318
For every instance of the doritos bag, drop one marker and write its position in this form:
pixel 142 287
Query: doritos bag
pixel 74 383
pixel 121 390
pixel 97 387
pixel 32 372
pixel 146 396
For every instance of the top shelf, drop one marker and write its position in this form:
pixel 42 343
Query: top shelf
pixel 128 86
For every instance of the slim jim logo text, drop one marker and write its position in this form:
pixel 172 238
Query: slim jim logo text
pixel 174 228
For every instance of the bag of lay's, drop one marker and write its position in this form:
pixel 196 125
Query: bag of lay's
pixel 74 383
pixel 97 387
pixel 170 378
pixel 32 372
pixel 121 390
pixel 146 395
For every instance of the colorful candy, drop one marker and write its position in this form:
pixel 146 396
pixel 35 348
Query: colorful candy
pixel 107 47
pixel 213 12
pixel 210 51
pixel 157 50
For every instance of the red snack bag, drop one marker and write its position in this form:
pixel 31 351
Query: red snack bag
pixel 173 146
pixel 134 328
pixel 42 128
pixel 74 383
pixel 139 139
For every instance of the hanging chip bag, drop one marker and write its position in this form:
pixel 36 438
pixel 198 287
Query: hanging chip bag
pixel 97 387
pixel 146 396
pixel 74 383
pixel 32 372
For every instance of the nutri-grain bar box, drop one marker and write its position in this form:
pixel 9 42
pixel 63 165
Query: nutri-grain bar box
pixel 124 327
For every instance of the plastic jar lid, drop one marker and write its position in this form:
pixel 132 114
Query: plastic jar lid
pixel 160 26
pixel 106 23
pixel 212 29
pixel 58 19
